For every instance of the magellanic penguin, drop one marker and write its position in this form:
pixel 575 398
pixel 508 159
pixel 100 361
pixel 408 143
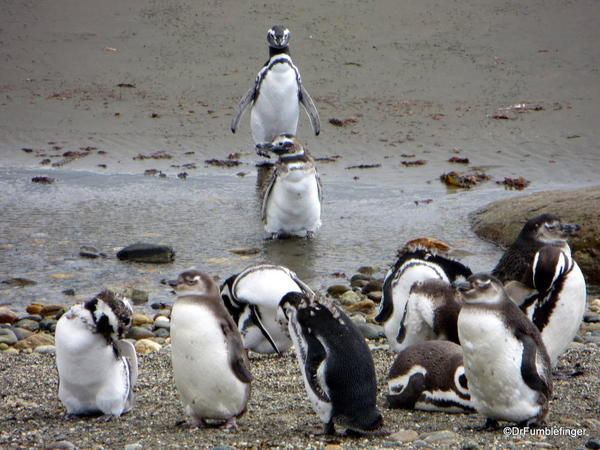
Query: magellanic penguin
pixel 505 359
pixel 96 369
pixel 540 259
pixel 419 260
pixel 210 366
pixel 292 201
pixel 431 313
pixel 429 376
pixel 336 364
pixel 276 95
pixel 252 298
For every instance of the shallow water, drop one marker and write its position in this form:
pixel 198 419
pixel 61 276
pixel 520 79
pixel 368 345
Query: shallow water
pixel 203 218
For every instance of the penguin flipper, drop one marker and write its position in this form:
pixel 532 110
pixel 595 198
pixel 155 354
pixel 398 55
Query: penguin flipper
pixel 128 351
pixel 267 194
pixel 529 368
pixel 314 358
pixel 255 315
pixel 386 307
pixel 238 360
pixel 241 107
pixel 550 264
pixel 311 109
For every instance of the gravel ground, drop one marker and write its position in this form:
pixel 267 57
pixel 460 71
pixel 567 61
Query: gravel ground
pixel 279 414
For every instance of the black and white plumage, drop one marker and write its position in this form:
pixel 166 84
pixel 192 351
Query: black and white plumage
pixel 418 260
pixel 252 298
pixel 292 201
pixel 431 313
pixel 505 359
pixel 210 366
pixel 429 376
pixel 276 95
pixel 97 370
pixel 336 364
pixel 550 285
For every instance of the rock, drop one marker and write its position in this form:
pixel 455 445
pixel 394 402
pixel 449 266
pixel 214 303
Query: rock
pixel 18 282
pixel 138 333
pixel 404 436
pixel 50 310
pixel 360 280
pixel 349 297
pixel 70 292
pixel 376 296
pixel 159 305
pixel 244 251
pixel 162 322
pixel 7 315
pixel 162 333
pixel 4 346
pixel 469 445
pixel 28 324
pixel 134 446
pixel 337 290
pixel 373 285
pixel 145 346
pixel 35 308
pixel 594 444
pixel 48 324
pixel 436 436
pixel 61 445
pixel 87 251
pixel 141 319
pixel 21 333
pixel 46 349
pixel 368 270
pixel 368 330
pixel 147 253
pixel 7 336
pixel 502 220
pixel 35 340
pixel 362 305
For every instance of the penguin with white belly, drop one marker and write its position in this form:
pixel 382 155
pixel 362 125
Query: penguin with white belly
pixel 276 95
pixel 210 366
pixel 336 364
pixel 97 370
pixel 252 298
pixel 550 285
pixel 505 359
pixel 419 260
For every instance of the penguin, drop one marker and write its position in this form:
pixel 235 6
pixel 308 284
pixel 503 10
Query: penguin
pixel 505 359
pixel 431 313
pixel 210 366
pixel 97 370
pixel 276 95
pixel 292 202
pixel 336 364
pixel 419 259
pixel 252 298
pixel 550 285
pixel 429 376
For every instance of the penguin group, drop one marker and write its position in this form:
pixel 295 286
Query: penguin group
pixel 464 341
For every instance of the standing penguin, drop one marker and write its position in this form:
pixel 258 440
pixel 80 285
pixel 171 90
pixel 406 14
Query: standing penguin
pixel 210 366
pixel 276 95
pixel 292 201
pixel 431 313
pixel 429 376
pixel 252 298
pixel 96 369
pixel 336 364
pixel 505 359
pixel 419 260
pixel 551 284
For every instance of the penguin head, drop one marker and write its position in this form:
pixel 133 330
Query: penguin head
pixel 286 144
pixel 548 229
pixel 278 37
pixel 481 288
pixel 194 282
pixel 111 314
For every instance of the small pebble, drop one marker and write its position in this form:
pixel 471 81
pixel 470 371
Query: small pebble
pixel 46 349
pixel 404 436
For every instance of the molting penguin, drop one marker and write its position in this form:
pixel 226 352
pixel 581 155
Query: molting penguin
pixel 97 370
pixel 336 364
pixel 505 358
pixel 292 201
pixel 252 298
pixel 552 290
pixel 276 95
pixel 429 376
pixel 418 260
pixel 431 313
pixel 210 366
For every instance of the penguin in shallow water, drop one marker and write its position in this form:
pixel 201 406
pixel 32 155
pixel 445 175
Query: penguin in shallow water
pixel 552 290
pixel 292 201
pixel 252 298
pixel 336 364
pixel 431 313
pixel 276 95
pixel 420 259
pixel 97 370
pixel 429 376
pixel 505 359
pixel 210 366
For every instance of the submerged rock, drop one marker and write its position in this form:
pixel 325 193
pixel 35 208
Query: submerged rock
pixel 147 253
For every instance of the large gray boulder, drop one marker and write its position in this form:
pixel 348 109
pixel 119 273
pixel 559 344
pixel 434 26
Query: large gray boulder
pixel 501 221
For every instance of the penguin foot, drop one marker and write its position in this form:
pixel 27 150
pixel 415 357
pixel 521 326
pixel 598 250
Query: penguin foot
pixel 230 424
pixel 193 424
pixel 328 430
pixel 104 418
pixel 489 425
